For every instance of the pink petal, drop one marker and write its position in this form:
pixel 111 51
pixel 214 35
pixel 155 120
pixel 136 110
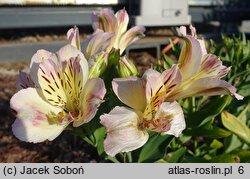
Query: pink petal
pixel 131 91
pixel 122 21
pixel 193 31
pixel 96 43
pixel 24 81
pixel 160 85
pixel 73 37
pixel 183 31
pixel 93 94
pixel 132 35
pixel 104 20
pixel 208 87
pixel 212 66
pixel 190 57
pixel 32 124
pixel 121 28
pixel 123 132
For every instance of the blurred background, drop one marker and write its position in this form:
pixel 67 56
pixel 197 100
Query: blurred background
pixel 29 25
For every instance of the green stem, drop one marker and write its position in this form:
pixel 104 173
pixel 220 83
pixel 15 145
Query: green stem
pixel 113 159
pixel 124 157
pixel 130 159
pixel 193 104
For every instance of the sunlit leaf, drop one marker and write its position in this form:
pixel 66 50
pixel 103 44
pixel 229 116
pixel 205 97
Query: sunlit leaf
pixel 216 144
pixel 236 126
pixel 99 135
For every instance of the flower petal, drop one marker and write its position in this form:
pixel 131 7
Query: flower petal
pixel 24 81
pixel 123 133
pixel 190 57
pixel 212 67
pixel 73 37
pixel 93 94
pixel 208 87
pixel 173 112
pixel 69 52
pixel 122 24
pixel 132 35
pixel 160 85
pixel 32 124
pixel 39 57
pixel 104 20
pixel 96 43
pixel 131 91
pixel 122 21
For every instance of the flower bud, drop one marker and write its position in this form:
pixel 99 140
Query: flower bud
pixel 126 67
pixel 99 65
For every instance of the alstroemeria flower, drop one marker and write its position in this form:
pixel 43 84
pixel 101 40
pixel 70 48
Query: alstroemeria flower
pixel 107 21
pixel 147 110
pixel 201 72
pixel 61 94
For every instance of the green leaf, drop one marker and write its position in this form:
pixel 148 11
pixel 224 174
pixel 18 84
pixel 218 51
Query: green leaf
pixel 176 156
pixel 232 143
pixel 155 148
pixel 225 158
pixel 236 126
pixel 245 114
pixel 99 135
pixel 212 132
pixel 244 90
pixel 209 111
pixel 216 144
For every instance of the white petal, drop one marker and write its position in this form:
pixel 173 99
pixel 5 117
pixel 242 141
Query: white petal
pixel 177 124
pixel 131 91
pixel 32 124
pixel 123 133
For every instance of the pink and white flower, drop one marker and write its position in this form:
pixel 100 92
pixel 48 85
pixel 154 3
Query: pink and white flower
pixel 201 72
pixel 147 110
pixel 117 23
pixel 60 93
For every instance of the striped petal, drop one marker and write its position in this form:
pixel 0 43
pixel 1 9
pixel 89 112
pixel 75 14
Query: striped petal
pixel 208 87
pixel 93 94
pixel 132 35
pixel 96 43
pixel 123 132
pixel 104 20
pixel 190 57
pixel 24 81
pixel 121 28
pixel 32 124
pixel 211 66
pixel 131 91
pixel 160 85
